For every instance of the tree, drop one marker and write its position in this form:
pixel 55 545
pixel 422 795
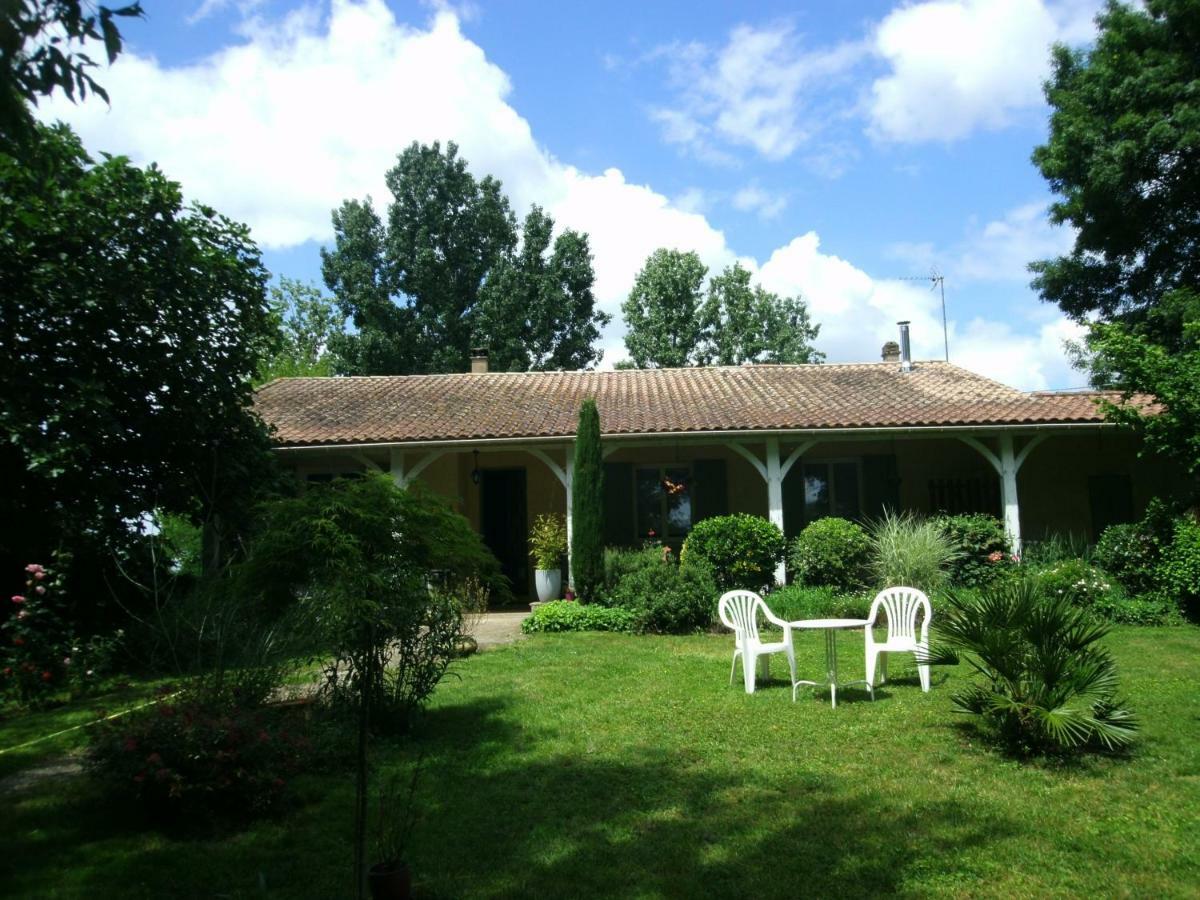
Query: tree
pixel 1123 156
pixel 662 312
pixel 310 327
pixel 740 323
pixel 130 330
pixel 537 308
pixel 444 274
pixel 587 506
pixel 41 51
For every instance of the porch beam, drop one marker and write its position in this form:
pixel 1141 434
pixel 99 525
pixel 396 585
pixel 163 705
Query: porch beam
pixel 1007 464
pixel 423 463
pixel 367 463
pixel 563 475
pixel 1033 442
pixel 753 460
pixel 774 474
pixel 396 465
pixel 794 457
pixel 569 484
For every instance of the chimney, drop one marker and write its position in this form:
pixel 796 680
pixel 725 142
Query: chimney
pixel 479 363
pixel 905 348
pixel 891 352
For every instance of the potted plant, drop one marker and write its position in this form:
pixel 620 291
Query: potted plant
pixel 547 546
pixel 391 878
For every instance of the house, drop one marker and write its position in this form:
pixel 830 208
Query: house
pixel 791 442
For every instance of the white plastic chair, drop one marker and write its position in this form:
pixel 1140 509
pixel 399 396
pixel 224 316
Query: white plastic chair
pixel 739 611
pixel 903 606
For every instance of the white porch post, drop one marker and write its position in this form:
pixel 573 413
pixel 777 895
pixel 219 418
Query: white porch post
pixel 569 483
pixel 397 466
pixel 1008 492
pixel 775 497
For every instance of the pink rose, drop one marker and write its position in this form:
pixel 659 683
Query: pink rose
pixel 40 589
pixel 39 574
pixel 17 598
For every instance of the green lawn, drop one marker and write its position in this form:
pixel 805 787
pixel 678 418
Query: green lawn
pixel 605 765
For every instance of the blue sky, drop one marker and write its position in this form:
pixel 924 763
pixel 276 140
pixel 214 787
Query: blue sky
pixel 833 148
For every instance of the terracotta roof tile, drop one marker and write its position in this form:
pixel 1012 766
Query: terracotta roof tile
pixel 397 409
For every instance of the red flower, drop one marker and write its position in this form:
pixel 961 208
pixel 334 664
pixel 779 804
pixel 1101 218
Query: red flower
pixel 154 759
pixel 17 598
pixel 278 782
pixel 139 777
pixel 18 642
pixel 46 676
pixel 130 744
pixel 8 670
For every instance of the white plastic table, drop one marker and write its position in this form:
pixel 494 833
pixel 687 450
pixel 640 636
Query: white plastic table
pixel 831 627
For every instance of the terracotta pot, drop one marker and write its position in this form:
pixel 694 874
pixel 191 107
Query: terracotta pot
pixel 390 882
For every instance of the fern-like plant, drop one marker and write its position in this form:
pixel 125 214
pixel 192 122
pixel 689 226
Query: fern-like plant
pixel 1044 682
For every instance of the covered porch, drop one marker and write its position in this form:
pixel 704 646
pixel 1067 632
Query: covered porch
pixel 1073 478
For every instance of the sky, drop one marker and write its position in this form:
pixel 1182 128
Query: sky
pixel 843 152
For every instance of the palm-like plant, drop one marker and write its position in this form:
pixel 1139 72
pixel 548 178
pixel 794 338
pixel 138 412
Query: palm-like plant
pixel 1046 683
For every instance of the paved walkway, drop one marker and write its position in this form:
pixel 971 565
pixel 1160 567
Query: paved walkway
pixel 495 629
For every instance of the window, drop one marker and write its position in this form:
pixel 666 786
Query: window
pixel 664 502
pixel 831 489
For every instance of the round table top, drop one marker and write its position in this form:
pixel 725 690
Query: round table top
pixel 829 623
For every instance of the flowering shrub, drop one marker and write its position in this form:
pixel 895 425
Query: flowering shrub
pixel 39 655
pixel 187 759
pixel 983 552
pixel 36 641
pixel 1076 581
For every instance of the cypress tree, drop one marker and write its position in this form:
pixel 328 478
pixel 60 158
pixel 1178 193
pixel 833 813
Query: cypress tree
pixel 587 506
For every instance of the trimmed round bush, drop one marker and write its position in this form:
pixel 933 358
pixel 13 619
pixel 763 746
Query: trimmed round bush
pixel 1076 581
pixel 981 546
pixel 739 551
pixel 1129 553
pixel 620 563
pixel 832 552
pixel 668 599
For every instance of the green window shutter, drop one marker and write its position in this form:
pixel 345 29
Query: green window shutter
pixel 618 505
pixel 710 493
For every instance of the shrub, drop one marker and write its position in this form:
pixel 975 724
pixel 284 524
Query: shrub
pixel 1048 684
pixel 193 761
pixel 563 615
pixel 983 552
pixel 548 541
pixel 1054 548
pixel 832 552
pixel 1178 572
pixel 1076 582
pixel 910 551
pixel 802 602
pixel 620 562
pixel 668 599
pixel 1151 609
pixel 739 551
pixel 1129 554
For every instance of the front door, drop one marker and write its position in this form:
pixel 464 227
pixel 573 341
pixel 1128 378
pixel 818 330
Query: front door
pixel 505 531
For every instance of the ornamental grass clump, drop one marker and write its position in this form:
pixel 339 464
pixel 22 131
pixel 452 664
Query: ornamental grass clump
pixel 1044 681
pixel 910 551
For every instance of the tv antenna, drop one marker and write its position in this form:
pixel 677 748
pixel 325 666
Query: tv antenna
pixel 936 280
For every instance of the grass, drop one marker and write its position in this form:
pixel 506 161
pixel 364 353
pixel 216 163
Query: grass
pixel 612 766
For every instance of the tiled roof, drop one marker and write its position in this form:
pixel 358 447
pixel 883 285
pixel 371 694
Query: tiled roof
pixel 387 409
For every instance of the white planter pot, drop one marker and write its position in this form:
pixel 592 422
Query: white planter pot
pixel 549 583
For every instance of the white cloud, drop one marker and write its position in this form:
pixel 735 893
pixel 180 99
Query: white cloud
pixel 752 198
pixel 312 109
pixel 960 65
pixel 1000 250
pixel 761 90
